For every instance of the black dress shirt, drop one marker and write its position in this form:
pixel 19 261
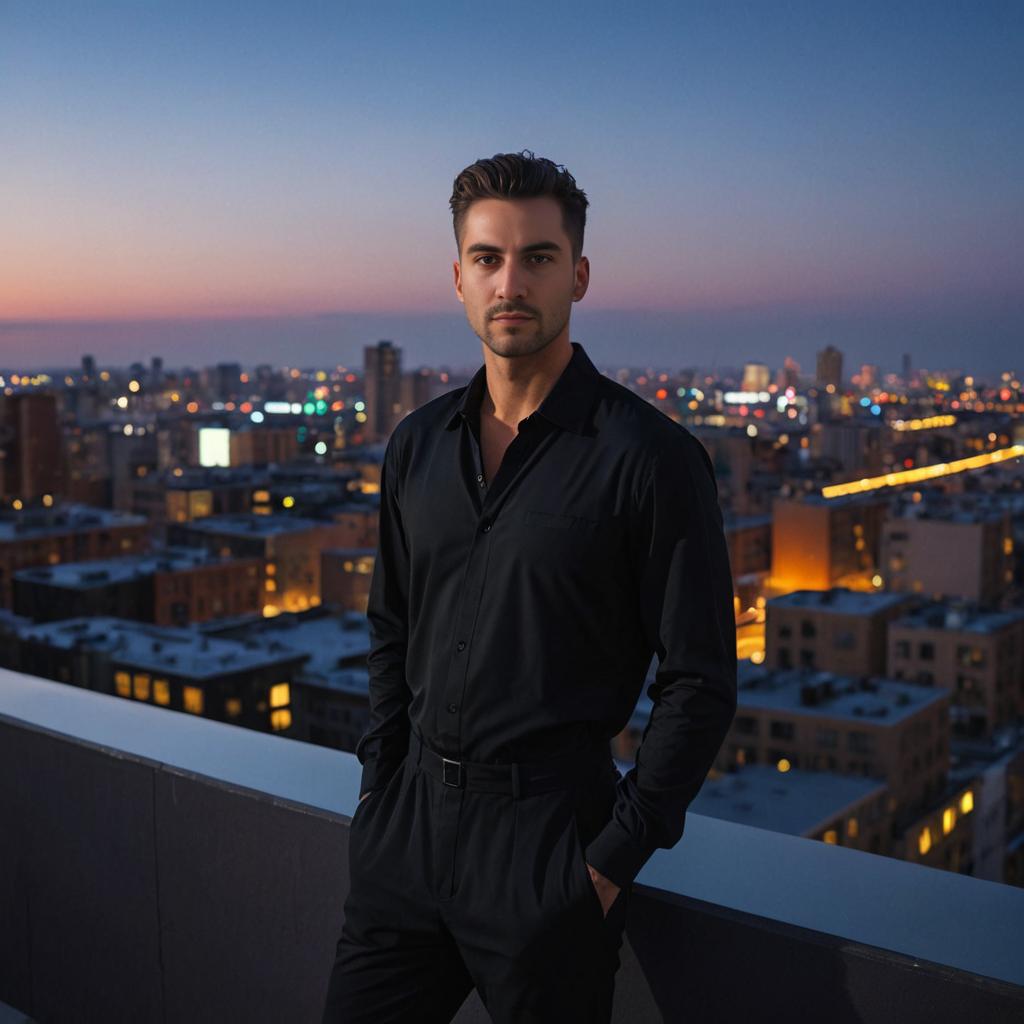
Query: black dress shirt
pixel 513 619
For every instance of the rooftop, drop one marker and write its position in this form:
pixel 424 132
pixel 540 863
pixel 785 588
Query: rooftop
pixel 959 616
pixel 867 701
pixel 841 600
pixel 249 524
pixel 795 802
pixel 166 649
pixel 336 645
pixel 100 573
pixel 61 519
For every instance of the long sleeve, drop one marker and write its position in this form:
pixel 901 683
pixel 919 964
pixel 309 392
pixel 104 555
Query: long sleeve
pixel 681 567
pixel 386 740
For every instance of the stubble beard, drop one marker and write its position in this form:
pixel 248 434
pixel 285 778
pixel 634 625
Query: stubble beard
pixel 525 340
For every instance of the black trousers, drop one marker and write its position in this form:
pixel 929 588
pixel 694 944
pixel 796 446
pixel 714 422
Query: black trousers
pixel 453 888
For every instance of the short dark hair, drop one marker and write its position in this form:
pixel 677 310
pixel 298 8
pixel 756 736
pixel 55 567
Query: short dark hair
pixel 521 176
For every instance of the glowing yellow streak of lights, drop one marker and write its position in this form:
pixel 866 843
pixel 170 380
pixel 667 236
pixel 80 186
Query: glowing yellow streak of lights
pixel 911 476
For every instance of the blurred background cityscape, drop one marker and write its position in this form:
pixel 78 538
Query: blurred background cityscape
pixel 202 539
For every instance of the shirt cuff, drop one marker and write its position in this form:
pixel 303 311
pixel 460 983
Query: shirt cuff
pixel 377 773
pixel 614 853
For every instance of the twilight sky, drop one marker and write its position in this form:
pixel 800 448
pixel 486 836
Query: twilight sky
pixel 270 181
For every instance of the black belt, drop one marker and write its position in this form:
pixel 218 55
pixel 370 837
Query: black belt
pixel 519 779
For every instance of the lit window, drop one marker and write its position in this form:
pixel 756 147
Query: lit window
pixel 948 820
pixel 123 682
pixel 141 685
pixel 924 841
pixel 280 719
pixel 831 836
pixel 852 827
pixel 233 706
pixel 967 802
pixel 193 698
pixel 161 692
pixel 279 695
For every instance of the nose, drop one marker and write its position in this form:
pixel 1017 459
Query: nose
pixel 510 282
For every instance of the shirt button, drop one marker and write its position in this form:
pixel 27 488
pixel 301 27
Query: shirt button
pixel 486 527
pixel 453 708
pixel 479 476
pixel 461 645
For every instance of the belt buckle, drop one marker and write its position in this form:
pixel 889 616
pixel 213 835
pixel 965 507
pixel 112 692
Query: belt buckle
pixel 457 765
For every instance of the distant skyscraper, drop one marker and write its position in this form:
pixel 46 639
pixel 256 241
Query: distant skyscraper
pixel 382 382
pixel 156 371
pixel 830 368
pixel 789 375
pixel 228 379
pixel 89 367
pixel 906 373
pixel 30 445
pixel 870 376
pixel 756 377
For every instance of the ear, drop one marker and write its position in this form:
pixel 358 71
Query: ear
pixel 582 279
pixel 457 270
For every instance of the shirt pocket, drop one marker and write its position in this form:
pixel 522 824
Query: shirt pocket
pixel 570 545
pixel 560 520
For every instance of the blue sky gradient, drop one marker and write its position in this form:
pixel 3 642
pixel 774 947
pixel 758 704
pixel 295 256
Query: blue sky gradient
pixel 764 178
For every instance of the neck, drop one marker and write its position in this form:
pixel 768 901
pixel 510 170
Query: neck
pixel 517 386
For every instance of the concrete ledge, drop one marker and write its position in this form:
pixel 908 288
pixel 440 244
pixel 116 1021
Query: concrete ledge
pixel 157 866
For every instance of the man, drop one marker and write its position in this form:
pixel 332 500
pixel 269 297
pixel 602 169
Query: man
pixel 543 533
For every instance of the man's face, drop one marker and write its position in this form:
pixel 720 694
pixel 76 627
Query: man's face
pixel 516 258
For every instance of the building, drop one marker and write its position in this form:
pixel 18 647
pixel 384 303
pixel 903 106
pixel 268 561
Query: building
pixel 31 458
pixel 820 542
pixel 836 630
pixel 382 381
pixel 174 587
pixel 829 374
pixel 997 761
pixel 818 721
pixel 855 445
pixel 975 655
pixel 345 575
pixel 975 539
pixel 64 533
pixel 180 669
pixel 290 549
pixel 844 810
pixel 330 693
pixel 756 377
pixel 749 540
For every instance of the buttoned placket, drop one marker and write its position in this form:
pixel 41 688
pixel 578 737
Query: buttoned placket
pixel 524 449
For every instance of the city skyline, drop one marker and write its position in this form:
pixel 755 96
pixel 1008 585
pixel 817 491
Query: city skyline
pixel 762 183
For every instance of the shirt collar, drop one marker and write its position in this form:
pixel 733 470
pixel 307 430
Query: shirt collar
pixel 567 404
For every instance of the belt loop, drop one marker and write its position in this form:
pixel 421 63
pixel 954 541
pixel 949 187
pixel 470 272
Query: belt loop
pixel 515 780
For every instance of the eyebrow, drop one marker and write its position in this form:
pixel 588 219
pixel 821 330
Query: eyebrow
pixel 535 247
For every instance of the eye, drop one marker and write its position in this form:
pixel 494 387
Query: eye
pixel 541 256
pixel 480 259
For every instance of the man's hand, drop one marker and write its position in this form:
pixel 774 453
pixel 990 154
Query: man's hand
pixel 607 890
